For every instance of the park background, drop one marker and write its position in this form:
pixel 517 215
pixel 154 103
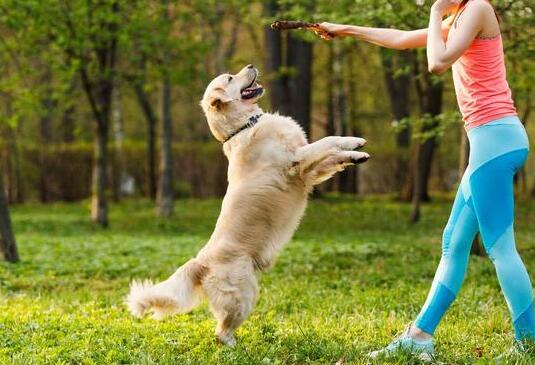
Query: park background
pixel 109 172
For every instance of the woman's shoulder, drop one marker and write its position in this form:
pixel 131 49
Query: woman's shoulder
pixel 482 6
pixel 484 13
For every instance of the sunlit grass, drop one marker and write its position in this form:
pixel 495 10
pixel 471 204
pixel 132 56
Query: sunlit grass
pixel 352 278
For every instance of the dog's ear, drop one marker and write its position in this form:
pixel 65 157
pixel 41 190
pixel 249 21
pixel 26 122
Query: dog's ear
pixel 218 98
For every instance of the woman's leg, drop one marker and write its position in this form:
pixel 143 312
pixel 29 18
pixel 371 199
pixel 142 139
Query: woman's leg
pixel 491 187
pixel 457 239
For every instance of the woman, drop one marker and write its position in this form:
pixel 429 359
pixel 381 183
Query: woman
pixel 469 41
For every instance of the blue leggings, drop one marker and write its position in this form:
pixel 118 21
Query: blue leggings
pixel 485 204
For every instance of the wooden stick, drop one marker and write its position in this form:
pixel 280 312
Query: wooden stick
pixel 297 24
pixel 292 24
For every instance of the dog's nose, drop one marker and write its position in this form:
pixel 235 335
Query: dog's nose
pixel 250 66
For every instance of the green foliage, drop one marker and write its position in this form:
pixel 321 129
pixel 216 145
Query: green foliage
pixel 338 290
pixel 427 126
pixel 380 13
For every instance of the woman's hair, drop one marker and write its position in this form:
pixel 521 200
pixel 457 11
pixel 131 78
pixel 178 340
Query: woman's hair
pixel 460 8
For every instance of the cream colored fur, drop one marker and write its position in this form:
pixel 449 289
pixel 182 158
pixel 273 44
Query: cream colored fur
pixel 272 169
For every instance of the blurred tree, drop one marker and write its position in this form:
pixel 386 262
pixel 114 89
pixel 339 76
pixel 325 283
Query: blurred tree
pixel 46 132
pixel 397 70
pixel 340 91
pixel 86 34
pixel 145 56
pixel 397 74
pixel 10 67
pixel 289 63
pixel 166 48
pixel 350 179
pixel 165 188
pixel 146 105
pixel 8 245
pixel 430 91
pixel 120 174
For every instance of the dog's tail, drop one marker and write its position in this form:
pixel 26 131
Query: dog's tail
pixel 178 294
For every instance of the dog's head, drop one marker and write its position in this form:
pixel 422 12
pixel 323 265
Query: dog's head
pixel 230 99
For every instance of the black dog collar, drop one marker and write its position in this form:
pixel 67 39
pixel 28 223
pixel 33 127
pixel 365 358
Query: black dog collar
pixel 250 123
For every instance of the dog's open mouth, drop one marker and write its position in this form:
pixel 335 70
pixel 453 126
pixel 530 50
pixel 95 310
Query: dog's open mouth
pixel 253 90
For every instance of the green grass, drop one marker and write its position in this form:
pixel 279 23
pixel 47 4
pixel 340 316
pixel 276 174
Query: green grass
pixel 353 276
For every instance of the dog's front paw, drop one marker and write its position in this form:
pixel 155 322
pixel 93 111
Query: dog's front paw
pixel 359 157
pixel 350 143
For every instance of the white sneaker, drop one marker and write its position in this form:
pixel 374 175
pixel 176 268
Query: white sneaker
pixel 423 350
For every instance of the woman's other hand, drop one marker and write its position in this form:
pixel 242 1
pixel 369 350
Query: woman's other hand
pixel 444 6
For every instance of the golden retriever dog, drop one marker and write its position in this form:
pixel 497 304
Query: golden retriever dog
pixel 272 169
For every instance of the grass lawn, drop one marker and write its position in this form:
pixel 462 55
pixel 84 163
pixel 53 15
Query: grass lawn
pixel 353 276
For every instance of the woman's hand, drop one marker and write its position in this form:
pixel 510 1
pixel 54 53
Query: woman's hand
pixel 326 30
pixel 444 6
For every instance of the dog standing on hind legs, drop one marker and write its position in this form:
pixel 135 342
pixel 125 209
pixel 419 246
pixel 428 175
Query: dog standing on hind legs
pixel 272 169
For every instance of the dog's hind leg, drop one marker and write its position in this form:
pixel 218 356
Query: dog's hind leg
pixel 333 164
pixel 231 304
pixel 229 319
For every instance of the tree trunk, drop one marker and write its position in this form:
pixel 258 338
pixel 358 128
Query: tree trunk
pixel 8 245
pixel 46 138
pixel 398 84
pixel 300 85
pixel 330 126
pixel 15 187
pixel 46 134
pixel 152 121
pixel 427 152
pixel 417 188
pixel 67 120
pixel 432 106
pixel 273 51
pixel 408 185
pixel 340 110
pixel 291 82
pixel 101 109
pixel 67 124
pixel 477 248
pixel 99 92
pixel 99 204
pixel 118 137
pixel 165 191
pixel 424 159
pixel 352 128
pixel 165 188
pixel 330 129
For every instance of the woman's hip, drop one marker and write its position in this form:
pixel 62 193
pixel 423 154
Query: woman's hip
pixel 498 138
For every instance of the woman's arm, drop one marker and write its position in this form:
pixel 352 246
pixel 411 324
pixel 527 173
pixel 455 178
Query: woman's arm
pixel 442 54
pixel 384 37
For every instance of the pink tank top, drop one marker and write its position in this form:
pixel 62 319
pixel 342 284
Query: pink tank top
pixel 481 85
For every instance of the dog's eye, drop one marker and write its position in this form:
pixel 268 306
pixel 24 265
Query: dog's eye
pixel 229 78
